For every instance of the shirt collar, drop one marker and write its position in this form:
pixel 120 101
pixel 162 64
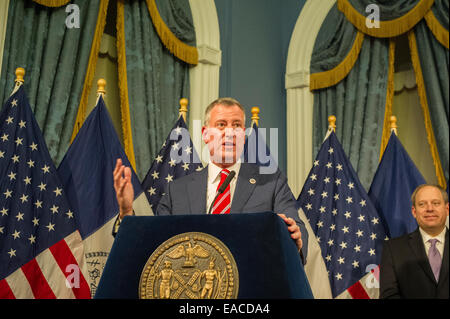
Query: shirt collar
pixel 214 170
pixel 426 237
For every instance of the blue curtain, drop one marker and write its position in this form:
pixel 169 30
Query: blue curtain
pixel 333 43
pixel 434 61
pixel 359 98
pixel 55 59
pixel 358 101
pixel 157 80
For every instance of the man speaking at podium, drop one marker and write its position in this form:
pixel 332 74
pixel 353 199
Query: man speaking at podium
pixel 226 185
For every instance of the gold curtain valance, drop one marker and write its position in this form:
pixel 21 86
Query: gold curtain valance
pixel 52 3
pixel 439 32
pixel 181 50
pixel 387 29
pixel 331 77
pixel 390 28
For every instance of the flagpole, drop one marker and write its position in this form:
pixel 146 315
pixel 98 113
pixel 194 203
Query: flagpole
pixel 183 108
pixel 255 115
pixel 101 86
pixel 20 73
pixel 331 126
pixel 393 124
pixel 332 123
pixel 101 89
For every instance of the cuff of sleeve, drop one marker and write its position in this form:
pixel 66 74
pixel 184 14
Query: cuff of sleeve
pixel 302 257
pixel 117 224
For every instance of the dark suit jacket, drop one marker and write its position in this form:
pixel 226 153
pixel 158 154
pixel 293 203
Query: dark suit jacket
pixel 405 271
pixel 270 192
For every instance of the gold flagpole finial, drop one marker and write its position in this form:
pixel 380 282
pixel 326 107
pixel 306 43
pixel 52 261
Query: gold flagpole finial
pixel 332 123
pixel 101 86
pixel 20 73
pixel 183 108
pixel 255 115
pixel 393 124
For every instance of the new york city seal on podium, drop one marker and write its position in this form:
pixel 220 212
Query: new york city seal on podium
pixel 190 266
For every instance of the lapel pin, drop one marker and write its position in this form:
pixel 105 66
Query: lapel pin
pixel 252 181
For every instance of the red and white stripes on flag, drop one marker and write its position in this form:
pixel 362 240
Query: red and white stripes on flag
pixel 53 274
pixel 368 287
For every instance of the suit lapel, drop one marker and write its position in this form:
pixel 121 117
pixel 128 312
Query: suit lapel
pixel 196 190
pixel 417 246
pixel 244 186
pixel 443 274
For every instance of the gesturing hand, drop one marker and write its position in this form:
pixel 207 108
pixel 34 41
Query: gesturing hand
pixel 124 188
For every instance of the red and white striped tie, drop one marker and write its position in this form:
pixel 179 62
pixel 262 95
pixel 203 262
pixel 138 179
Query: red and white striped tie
pixel 222 204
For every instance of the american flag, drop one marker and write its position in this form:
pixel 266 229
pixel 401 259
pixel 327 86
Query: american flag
pixel 176 158
pixel 345 222
pixel 40 247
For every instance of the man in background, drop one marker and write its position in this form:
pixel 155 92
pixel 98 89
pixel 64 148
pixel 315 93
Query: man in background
pixel 416 265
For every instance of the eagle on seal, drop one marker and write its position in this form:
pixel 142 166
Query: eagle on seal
pixel 189 253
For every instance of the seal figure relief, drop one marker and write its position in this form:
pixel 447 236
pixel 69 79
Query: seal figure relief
pixel 191 265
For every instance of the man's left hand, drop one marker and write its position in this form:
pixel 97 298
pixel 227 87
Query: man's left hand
pixel 294 230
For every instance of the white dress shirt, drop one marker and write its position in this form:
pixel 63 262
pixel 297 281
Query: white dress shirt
pixel 214 180
pixel 439 244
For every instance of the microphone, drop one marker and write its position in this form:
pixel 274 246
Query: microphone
pixel 222 189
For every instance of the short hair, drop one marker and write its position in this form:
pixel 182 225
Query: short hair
pixel 225 101
pixel 418 188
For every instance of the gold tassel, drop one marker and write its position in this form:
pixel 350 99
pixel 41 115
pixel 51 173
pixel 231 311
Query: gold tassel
pixel 331 77
pixel 93 57
pixel 389 98
pixel 426 111
pixel 123 85
pixel 439 32
pixel 182 51
pixel 52 3
pixel 387 29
